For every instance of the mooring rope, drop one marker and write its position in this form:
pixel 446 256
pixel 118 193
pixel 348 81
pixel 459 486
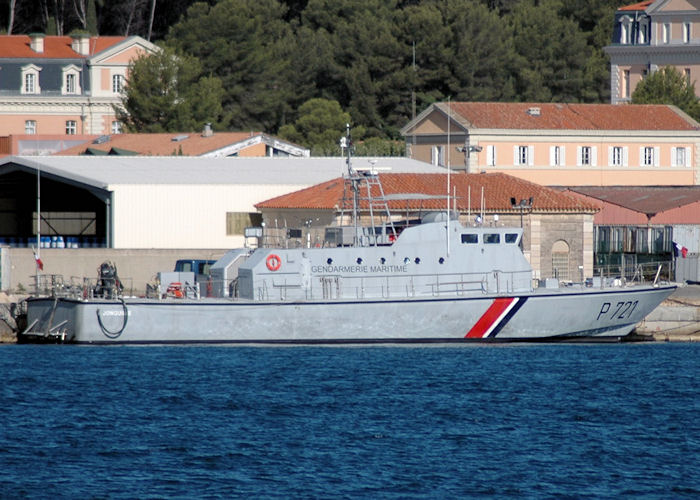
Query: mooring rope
pixel 111 334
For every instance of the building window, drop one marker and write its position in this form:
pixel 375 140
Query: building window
pixel 437 155
pixel 116 127
pixel 686 33
pixel 30 83
pixel 686 74
pixel 523 155
pixel 649 156
pixel 625 29
pixel 117 83
pixel 70 83
pixel 71 127
pixel 491 156
pixel 586 155
pixel 556 156
pixel 666 33
pixel 617 156
pixel 643 33
pixel 680 157
pixel 30 127
pixel 30 79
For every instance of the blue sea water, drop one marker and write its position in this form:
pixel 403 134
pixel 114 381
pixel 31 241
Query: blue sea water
pixel 514 421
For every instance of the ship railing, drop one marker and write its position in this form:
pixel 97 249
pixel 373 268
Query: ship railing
pixel 635 273
pixel 55 285
pixel 335 287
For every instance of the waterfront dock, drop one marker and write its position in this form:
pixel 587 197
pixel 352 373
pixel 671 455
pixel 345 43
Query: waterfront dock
pixel 677 319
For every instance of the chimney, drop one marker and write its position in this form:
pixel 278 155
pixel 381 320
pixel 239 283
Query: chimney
pixel 37 42
pixel 81 44
pixel 207 132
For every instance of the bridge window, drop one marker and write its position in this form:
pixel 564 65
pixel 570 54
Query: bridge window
pixel 470 238
pixel 491 238
pixel 511 237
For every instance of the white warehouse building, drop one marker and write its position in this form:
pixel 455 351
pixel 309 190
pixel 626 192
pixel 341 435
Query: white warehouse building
pixel 154 202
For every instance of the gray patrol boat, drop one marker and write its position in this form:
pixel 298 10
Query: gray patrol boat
pixel 432 280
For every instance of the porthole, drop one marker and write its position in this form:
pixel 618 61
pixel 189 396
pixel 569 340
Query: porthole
pixel 359 260
pixel 382 260
pixel 441 260
pixel 329 261
pixel 406 260
pixel 417 261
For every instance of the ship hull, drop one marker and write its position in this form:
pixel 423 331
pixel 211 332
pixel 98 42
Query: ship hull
pixel 539 315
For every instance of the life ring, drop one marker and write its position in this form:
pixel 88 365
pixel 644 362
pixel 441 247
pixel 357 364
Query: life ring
pixel 273 262
pixel 175 290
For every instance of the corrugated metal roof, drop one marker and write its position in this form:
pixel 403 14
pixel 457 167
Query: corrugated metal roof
pixel 498 190
pixel 105 171
pixel 648 200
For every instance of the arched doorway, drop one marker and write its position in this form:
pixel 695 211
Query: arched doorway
pixel 560 260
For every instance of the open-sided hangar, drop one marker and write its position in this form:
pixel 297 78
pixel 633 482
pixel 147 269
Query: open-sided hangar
pixel 175 206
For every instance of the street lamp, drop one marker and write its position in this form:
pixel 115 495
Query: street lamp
pixel 522 205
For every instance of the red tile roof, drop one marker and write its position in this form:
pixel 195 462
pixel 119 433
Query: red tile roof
pixel 554 116
pixel 638 6
pixel 498 189
pixel 55 47
pixel 192 143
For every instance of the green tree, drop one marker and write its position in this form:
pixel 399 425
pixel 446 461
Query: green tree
pixel 668 86
pixel 552 51
pixel 166 93
pixel 245 43
pixel 320 126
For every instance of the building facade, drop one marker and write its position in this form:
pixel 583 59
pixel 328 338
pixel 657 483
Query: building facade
pixel 64 85
pixel 559 144
pixel 651 35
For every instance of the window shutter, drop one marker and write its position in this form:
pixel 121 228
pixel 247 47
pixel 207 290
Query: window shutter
pixel 433 155
pixel 625 156
pixel 490 155
pixel 641 156
pixel 610 156
pixel 674 152
pixel 562 155
pixel 687 156
pixel 594 154
pixel 552 159
pixel 531 155
pixel 578 156
pixel 516 158
pixel 657 154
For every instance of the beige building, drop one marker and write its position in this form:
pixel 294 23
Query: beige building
pixel 556 144
pixel 650 35
pixel 62 84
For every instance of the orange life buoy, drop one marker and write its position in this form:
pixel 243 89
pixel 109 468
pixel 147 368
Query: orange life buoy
pixel 175 290
pixel 273 262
